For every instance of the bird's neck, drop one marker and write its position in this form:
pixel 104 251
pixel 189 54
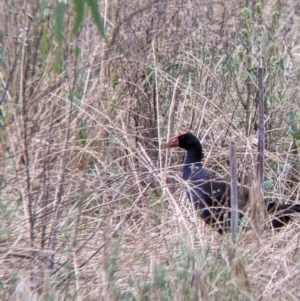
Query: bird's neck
pixel 192 161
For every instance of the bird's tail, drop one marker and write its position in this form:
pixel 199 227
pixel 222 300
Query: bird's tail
pixel 283 213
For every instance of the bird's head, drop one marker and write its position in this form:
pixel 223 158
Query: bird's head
pixel 185 140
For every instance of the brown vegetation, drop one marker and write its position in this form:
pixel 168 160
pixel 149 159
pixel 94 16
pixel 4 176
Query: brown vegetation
pixel 91 204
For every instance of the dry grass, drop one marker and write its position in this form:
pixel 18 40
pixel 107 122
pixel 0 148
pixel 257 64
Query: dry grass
pixel 92 205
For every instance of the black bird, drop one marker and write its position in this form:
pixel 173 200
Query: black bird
pixel 210 194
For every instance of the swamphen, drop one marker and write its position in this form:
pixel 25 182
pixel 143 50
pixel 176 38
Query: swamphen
pixel 210 194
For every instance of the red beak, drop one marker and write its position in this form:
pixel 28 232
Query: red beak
pixel 173 142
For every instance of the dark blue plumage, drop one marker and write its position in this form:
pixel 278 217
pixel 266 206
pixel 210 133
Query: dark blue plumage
pixel 211 194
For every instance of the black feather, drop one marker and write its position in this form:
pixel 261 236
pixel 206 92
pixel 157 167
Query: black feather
pixel 210 194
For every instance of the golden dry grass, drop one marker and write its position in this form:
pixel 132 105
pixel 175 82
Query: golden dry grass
pixel 92 205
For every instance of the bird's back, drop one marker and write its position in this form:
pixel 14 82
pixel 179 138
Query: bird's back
pixel 211 195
